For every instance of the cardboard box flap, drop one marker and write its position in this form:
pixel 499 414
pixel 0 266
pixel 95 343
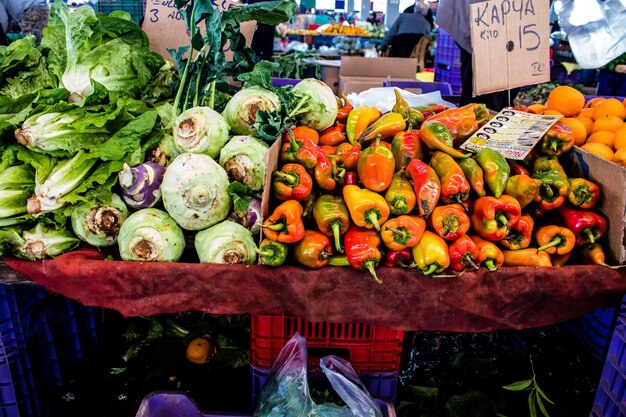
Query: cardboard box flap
pixel 357 66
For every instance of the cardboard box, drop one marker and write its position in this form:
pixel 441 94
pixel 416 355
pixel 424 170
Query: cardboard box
pixel 611 178
pixel 358 74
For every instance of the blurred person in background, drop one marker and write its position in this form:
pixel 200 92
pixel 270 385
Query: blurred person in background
pixel 423 8
pixel 27 16
pixel 404 34
pixel 453 17
pixel 263 38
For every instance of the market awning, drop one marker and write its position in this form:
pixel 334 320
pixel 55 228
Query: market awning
pixel 512 298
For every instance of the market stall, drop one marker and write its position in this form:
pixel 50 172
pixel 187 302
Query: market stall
pixel 151 187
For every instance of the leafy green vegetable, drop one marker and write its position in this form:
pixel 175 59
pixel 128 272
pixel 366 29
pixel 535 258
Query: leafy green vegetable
pixel 111 50
pixel 260 76
pixel 200 73
pixel 241 196
pixel 294 65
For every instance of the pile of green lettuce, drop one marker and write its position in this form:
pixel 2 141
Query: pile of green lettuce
pixel 73 111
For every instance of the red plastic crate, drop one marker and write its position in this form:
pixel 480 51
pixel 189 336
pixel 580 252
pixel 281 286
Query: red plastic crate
pixel 370 349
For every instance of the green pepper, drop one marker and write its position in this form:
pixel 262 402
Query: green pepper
pixel 332 217
pixel 272 253
pixel 496 170
pixel 412 117
pixel 554 183
pixel 474 174
pixel 437 137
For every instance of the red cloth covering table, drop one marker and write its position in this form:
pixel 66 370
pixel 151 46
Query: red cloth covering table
pixel 512 298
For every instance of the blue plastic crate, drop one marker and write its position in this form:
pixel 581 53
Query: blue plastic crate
pixel 611 394
pixel 447 52
pixel 450 75
pixel 382 386
pixel 594 330
pixel 134 7
pixel 41 346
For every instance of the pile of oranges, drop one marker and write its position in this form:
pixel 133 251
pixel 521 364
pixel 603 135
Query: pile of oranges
pixel 598 124
pixel 345 30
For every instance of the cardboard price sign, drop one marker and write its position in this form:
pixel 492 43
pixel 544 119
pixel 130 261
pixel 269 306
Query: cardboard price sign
pixel 165 25
pixel 510 43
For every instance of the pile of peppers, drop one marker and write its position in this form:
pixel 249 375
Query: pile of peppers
pixel 394 190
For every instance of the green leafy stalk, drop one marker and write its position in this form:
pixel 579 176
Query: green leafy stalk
pixel 536 395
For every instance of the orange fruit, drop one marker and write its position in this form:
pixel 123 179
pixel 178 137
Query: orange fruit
pixel 620 139
pixel 553 112
pixel 593 102
pixel 579 129
pixel 537 108
pixel 566 100
pixel 610 107
pixel 599 149
pixel 620 157
pixel 607 123
pixel 588 122
pixel 587 113
pixel 606 138
pixel 200 350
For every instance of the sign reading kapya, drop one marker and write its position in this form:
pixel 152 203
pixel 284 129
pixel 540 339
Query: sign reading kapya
pixel 165 25
pixel 510 44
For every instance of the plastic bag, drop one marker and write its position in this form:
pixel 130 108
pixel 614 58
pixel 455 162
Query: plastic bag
pixel 384 98
pixel 287 391
pixel 596 29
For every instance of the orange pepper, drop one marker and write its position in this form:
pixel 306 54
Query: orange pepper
pixel 332 136
pixel 304 132
pixel 489 255
pixel 450 222
pixel 367 208
pixel 463 121
pixel 349 154
pixel 285 224
pixel 555 240
pixel 527 257
pixel 402 232
pixel 376 167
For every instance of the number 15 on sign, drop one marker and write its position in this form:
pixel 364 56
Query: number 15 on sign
pixel 510 42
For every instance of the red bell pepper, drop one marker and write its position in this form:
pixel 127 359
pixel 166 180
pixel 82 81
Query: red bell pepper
pixel 398 258
pixel 463 253
pixel 586 225
pixel 361 247
pixel 303 152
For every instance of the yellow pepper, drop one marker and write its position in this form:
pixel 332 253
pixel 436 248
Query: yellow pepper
pixel 367 208
pixel 431 254
pixel 360 119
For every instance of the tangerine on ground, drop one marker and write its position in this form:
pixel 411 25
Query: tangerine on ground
pixel 594 102
pixel 620 138
pixel 599 149
pixel 607 123
pixel 611 107
pixel 587 122
pixel 566 100
pixel 606 138
pixel 199 350
pixel 579 129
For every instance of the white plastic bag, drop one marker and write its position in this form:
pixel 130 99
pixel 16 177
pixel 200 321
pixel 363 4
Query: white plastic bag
pixel 384 98
pixel 596 29
pixel 287 391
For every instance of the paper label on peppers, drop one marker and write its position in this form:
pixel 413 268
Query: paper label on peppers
pixel 511 133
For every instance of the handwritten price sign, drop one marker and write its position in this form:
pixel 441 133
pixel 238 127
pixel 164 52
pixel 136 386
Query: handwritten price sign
pixel 165 25
pixel 510 41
